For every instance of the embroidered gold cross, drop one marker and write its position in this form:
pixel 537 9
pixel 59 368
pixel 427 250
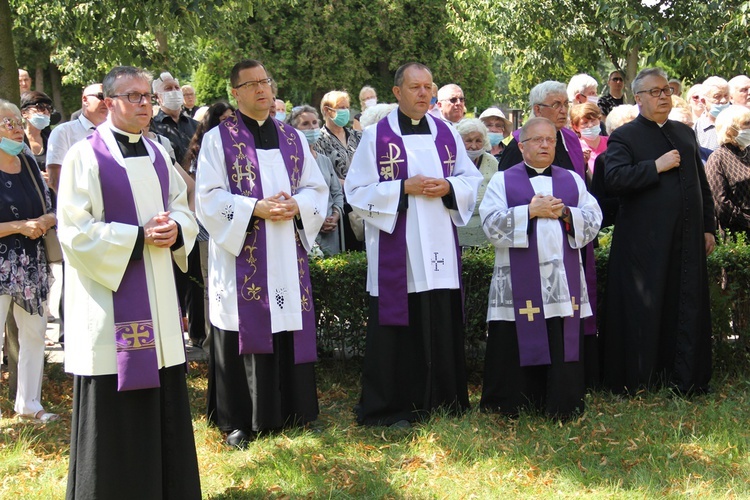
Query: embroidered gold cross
pixel 136 336
pixel 239 174
pixel 573 301
pixel 529 310
pixel 389 167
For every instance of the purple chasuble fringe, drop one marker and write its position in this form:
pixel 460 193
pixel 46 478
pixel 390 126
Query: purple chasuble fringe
pixel 137 364
pixel 528 304
pixel 253 306
pixel 392 164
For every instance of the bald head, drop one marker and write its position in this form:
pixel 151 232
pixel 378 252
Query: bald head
pixel 738 90
pixel 92 104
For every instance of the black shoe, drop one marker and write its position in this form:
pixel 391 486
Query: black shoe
pixel 401 424
pixel 238 439
pixel 198 344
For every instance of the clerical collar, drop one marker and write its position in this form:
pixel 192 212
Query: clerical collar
pixel 132 138
pixel 533 172
pixel 410 126
pixel 263 132
pixel 131 145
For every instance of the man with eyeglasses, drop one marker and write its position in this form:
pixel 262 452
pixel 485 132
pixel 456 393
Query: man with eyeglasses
pixel 189 106
pixel 657 327
pixel 171 121
pixel 452 103
pixel 94 113
pixel 739 86
pixel 262 198
pixel 123 218
pixel 715 98
pixel 538 216
pixel 616 96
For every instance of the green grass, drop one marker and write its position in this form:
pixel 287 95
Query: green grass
pixel 648 446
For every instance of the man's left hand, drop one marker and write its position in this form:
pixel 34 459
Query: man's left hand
pixel 710 243
pixel 435 187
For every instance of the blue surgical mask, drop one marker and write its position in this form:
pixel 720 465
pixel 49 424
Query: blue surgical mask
pixel 342 117
pixel 312 135
pixel 591 132
pixel 718 108
pixel 743 138
pixel 474 153
pixel 495 138
pixel 39 121
pixel 433 101
pixel 11 147
pixel 281 116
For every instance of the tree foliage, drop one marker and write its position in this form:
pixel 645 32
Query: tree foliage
pixel 554 39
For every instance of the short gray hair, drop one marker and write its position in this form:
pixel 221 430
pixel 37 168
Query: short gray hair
pixel 579 83
pixel 471 125
pixel 9 106
pixel 735 82
pixel 374 114
pixel 728 123
pixel 637 84
pixel 109 82
pixel 620 115
pixel 540 92
pixel 298 110
pixel 158 84
pixel 532 122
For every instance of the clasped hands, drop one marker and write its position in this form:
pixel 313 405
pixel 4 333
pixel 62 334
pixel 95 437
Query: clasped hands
pixel 36 228
pixel 161 231
pixel 546 206
pixel 279 207
pixel 431 187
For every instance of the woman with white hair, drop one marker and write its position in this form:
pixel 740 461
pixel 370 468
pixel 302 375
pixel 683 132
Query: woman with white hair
pixel 475 137
pixel 728 170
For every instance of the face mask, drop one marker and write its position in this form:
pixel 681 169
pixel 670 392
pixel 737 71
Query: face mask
pixel 172 99
pixel 495 138
pixel 371 102
pixel 591 132
pixel 433 101
pixel 593 99
pixel 718 108
pixel 474 154
pixel 39 121
pixel 743 138
pixel 281 116
pixel 11 147
pixel 342 117
pixel 312 135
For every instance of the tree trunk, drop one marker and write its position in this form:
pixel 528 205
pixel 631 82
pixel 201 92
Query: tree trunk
pixel 39 78
pixel 631 70
pixel 54 76
pixel 8 65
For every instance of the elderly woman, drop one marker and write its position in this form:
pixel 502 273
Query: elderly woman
pixel 728 170
pixel 36 108
pixel 585 120
pixel 367 99
pixel 499 128
pixel 24 273
pixel 305 119
pixel 374 114
pixel 693 98
pixel 338 142
pixel 475 137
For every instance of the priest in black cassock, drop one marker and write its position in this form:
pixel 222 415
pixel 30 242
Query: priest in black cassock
pixel 658 322
pixel 412 182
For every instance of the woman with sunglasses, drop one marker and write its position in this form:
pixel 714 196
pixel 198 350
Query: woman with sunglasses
pixel 24 271
pixel 616 96
pixel 36 108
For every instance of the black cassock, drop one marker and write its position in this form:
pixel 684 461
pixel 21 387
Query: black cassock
pixel 658 320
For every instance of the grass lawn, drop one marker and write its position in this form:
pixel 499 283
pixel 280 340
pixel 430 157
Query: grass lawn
pixel 653 445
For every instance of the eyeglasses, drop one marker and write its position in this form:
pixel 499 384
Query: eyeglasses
pixel 253 84
pixel 557 105
pixel 41 107
pixel 656 92
pixel 137 97
pixel 695 97
pixel 617 79
pixel 10 124
pixel 539 140
pixel 454 100
pixel 99 96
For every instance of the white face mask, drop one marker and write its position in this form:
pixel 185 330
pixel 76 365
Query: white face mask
pixel 474 153
pixel 593 99
pixel 371 102
pixel 172 99
pixel 39 121
pixel 591 132
pixel 743 138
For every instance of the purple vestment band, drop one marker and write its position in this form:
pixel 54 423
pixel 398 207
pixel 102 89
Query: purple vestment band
pixel 528 304
pixel 137 365
pixel 253 307
pixel 392 164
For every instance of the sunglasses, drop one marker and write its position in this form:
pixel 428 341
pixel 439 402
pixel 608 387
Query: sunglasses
pixel 454 100
pixel 617 79
pixel 99 95
pixel 40 107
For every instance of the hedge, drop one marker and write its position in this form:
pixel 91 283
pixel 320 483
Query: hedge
pixel 341 301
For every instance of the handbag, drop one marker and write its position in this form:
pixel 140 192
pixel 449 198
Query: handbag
pixel 51 243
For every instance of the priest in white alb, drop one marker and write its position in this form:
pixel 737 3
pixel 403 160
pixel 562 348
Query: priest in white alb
pixel 413 183
pixel 123 218
pixel 538 216
pixel 262 198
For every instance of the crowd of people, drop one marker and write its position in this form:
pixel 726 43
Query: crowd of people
pixel 176 217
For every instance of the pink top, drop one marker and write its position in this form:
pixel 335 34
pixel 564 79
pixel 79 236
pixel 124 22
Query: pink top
pixel 594 151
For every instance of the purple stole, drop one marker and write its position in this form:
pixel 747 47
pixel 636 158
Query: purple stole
pixel 392 164
pixel 137 365
pixel 253 307
pixel 528 306
pixel 575 152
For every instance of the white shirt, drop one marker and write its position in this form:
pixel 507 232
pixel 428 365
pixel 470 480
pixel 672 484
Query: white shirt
pixel 65 135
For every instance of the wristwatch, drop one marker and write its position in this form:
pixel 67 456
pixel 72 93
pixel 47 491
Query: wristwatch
pixel 565 214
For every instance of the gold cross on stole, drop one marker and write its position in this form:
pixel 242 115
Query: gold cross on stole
pixel 389 166
pixel 529 310
pixel 136 336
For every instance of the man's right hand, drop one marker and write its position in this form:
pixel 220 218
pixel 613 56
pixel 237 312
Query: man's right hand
pixel 668 161
pixel 161 231
pixel 545 206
